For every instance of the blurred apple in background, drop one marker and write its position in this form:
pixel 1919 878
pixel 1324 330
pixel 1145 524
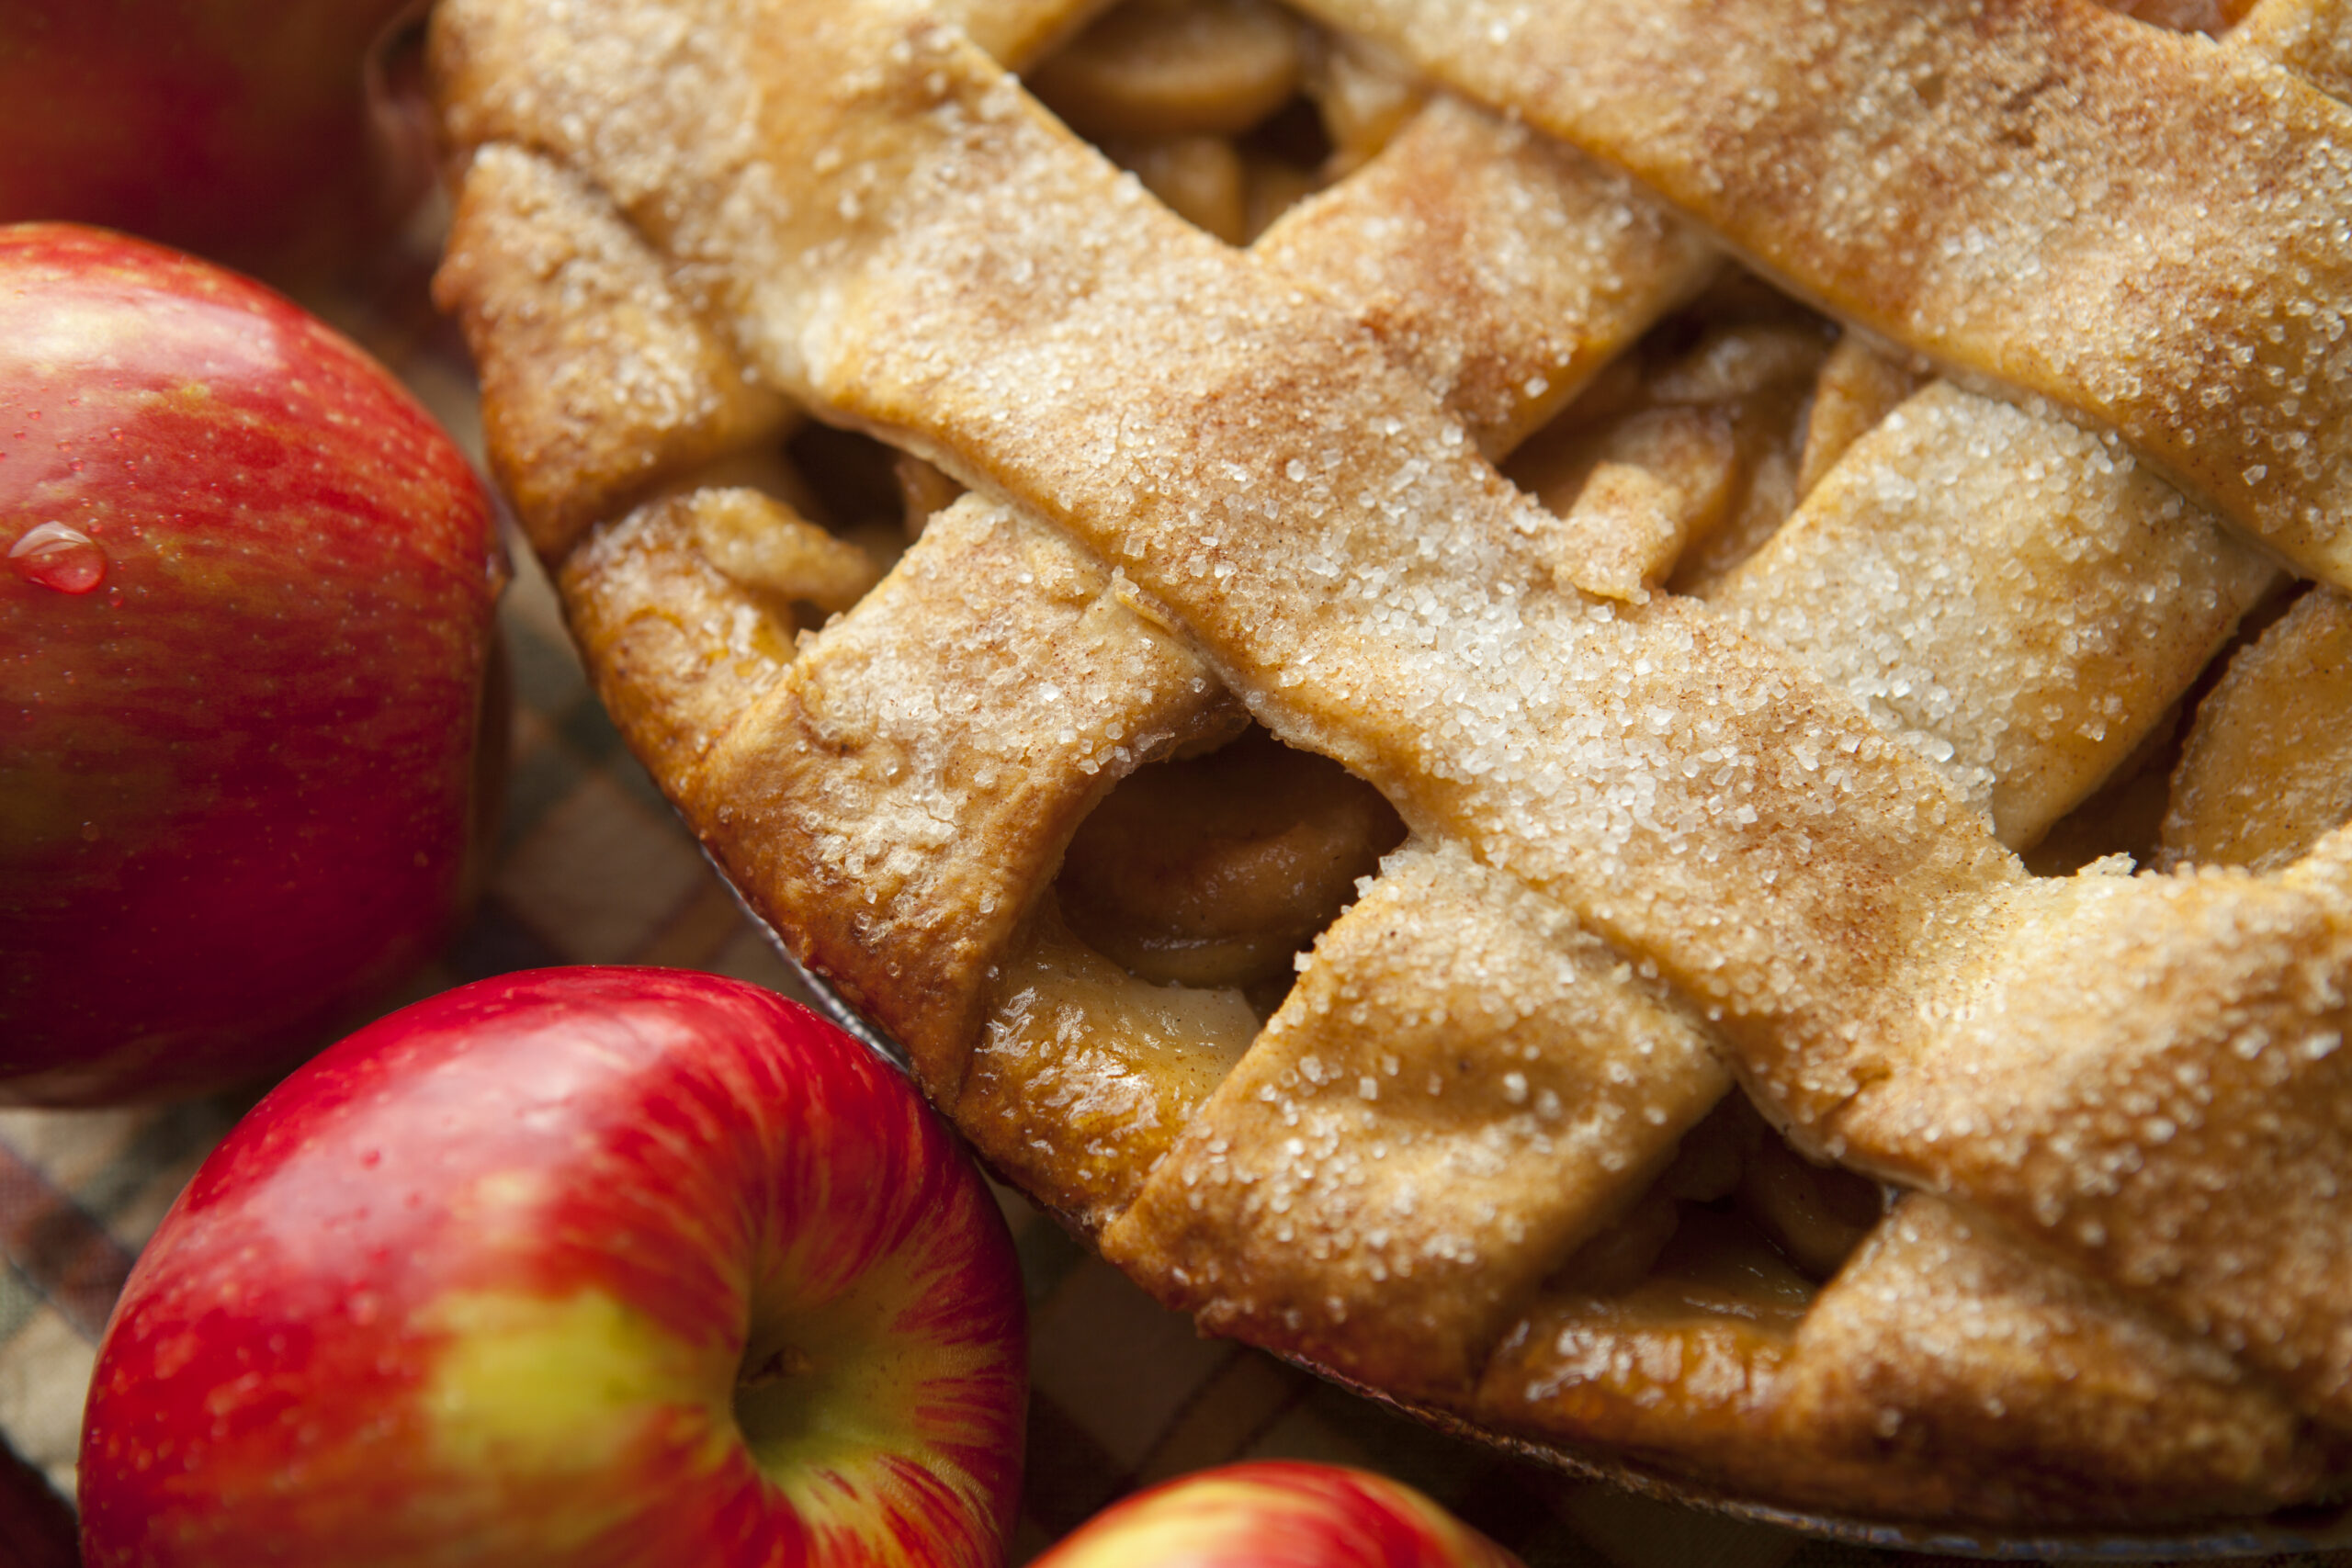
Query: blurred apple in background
pixel 1277 1513
pixel 257 133
pixel 246 599
pixel 622 1266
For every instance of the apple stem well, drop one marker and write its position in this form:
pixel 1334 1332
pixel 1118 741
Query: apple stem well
pixel 594 1265
pixel 791 1361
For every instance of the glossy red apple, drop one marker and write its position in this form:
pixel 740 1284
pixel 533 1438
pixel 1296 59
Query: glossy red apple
pixel 257 132
pixel 1277 1513
pixel 580 1266
pixel 246 599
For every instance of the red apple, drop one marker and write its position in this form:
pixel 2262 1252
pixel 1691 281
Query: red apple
pixel 246 599
pixel 1277 1513
pixel 580 1266
pixel 254 131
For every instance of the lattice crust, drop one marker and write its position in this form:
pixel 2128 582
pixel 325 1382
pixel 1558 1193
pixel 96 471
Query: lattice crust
pixel 2269 769
pixel 885 744
pixel 1457 1048
pixel 2076 596
pixel 1947 1371
pixel 609 381
pixel 2306 34
pixel 1480 1156
pixel 1503 271
pixel 1945 175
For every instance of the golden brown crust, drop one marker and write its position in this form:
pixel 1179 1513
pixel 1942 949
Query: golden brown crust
pixel 2154 301
pixel 596 378
pixel 1083 1078
pixel 1950 1356
pixel 678 649
pixel 910 834
pixel 2149 1082
pixel 1461 1090
pixel 1860 384
pixel 1504 270
pixel 2268 772
pixel 1690 1393
pixel 1287 499
pixel 1945 1373
pixel 2308 37
pixel 2034 598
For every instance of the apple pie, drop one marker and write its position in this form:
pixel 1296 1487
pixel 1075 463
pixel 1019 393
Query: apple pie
pixel 1623 717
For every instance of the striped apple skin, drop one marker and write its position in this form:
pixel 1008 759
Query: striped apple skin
pixel 238 778
pixel 1277 1513
pixel 478 1285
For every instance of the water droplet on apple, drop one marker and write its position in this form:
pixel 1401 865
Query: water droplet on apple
pixel 55 556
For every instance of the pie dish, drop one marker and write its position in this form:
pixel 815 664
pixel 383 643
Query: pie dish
pixel 1508 741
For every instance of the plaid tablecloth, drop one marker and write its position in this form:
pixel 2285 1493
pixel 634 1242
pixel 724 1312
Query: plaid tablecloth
pixel 592 867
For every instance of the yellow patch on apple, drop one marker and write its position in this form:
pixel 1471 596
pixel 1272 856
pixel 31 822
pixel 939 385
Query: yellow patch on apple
pixel 540 1386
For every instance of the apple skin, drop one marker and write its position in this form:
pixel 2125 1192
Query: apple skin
pixel 253 131
pixel 241 712
pixel 1277 1513
pixel 482 1284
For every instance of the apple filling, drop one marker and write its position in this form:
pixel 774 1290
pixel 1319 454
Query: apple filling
pixel 1218 870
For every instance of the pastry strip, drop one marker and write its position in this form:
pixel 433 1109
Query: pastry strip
pixel 677 649
pixel 886 746
pixel 2311 38
pixel 2065 1402
pixel 1946 1372
pixel 589 401
pixel 1985 184
pixel 1422 166
pixel 2268 772
pixel 2010 591
pixel 1502 269
pixel 1426 166
pixel 1463 1088
pixel 2007 594
pixel 1115 1067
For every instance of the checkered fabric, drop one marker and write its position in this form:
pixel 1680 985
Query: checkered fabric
pixel 592 867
